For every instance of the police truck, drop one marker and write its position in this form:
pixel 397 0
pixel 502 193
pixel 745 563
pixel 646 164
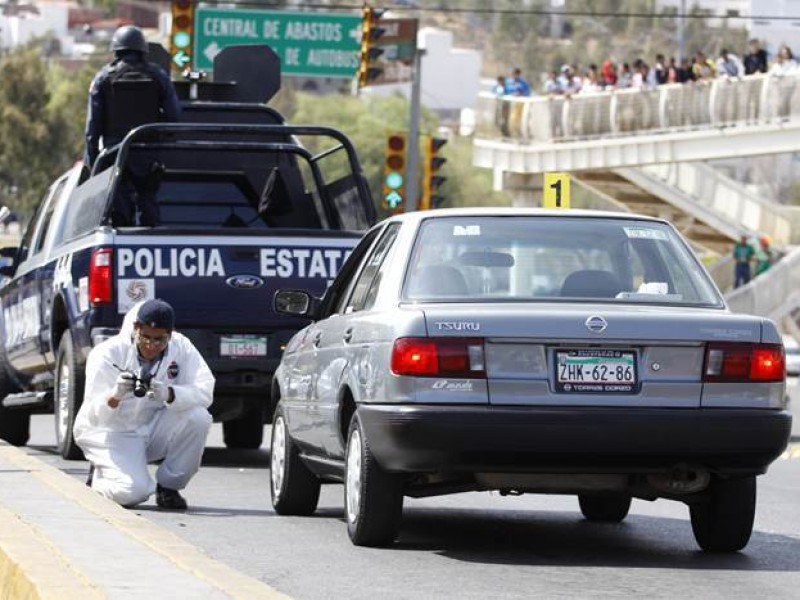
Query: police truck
pixel 248 204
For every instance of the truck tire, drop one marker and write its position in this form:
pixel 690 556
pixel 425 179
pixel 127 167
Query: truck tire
pixel 724 521
pixel 373 498
pixel 67 397
pixel 15 425
pixel 295 489
pixel 244 433
pixel 604 508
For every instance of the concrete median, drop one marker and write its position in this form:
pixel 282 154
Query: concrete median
pixel 58 539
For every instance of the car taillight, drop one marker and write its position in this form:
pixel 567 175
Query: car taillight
pixel 439 357
pixel 100 280
pixel 734 362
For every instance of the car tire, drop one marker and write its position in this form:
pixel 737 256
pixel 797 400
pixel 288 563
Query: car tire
pixel 723 522
pixel 605 508
pixel 244 433
pixel 294 488
pixel 15 424
pixel 67 397
pixel 373 498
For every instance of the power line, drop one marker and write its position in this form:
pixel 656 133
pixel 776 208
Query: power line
pixel 513 11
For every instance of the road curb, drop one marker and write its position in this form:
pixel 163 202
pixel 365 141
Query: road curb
pixel 22 552
pixel 33 568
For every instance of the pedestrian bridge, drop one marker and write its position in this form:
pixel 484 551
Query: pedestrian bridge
pixel 643 151
pixel 704 120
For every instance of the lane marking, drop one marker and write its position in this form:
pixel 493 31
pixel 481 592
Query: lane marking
pixel 792 452
pixel 172 547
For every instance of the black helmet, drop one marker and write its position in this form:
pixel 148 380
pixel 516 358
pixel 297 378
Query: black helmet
pixel 128 37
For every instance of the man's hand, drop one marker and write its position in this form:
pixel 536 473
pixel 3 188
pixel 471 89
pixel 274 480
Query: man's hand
pixel 122 387
pixel 159 391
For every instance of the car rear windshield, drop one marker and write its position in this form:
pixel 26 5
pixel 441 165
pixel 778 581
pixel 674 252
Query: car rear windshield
pixel 555 259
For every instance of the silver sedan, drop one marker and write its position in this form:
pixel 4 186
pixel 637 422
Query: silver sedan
pixel 527 351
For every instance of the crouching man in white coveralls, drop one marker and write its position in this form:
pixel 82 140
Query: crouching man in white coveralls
pixel 120 432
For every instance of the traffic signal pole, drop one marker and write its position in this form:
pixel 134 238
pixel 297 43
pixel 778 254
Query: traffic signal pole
pixel 412 169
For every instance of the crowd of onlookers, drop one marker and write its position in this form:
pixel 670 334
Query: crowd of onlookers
pixel 641 75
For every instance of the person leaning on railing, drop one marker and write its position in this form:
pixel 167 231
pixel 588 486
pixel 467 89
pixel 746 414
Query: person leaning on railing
pixel 784 65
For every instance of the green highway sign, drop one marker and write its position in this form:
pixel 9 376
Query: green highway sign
pixel 310 44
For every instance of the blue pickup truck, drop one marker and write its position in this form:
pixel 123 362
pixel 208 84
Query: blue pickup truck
pixel 248 204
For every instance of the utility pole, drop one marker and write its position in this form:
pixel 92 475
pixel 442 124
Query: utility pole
pixel 681 32
pixel 412 160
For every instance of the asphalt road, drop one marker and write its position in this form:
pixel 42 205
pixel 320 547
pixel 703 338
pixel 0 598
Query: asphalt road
pixel 477 545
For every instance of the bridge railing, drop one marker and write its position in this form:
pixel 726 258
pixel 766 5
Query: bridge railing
pixel 722 102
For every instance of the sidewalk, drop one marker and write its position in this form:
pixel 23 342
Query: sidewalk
pixel 59 540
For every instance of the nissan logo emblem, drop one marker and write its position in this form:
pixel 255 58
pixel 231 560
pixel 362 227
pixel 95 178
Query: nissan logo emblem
pixel 596 324
pixel 244 282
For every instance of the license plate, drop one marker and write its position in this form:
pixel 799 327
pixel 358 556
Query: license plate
pixel 242 346
pixel 593 370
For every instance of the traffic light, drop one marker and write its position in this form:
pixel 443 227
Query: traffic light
pixel 180 39
pixel 394 172
pixel 371 32
pixel 431 181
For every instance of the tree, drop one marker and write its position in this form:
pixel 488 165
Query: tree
pixel 41 119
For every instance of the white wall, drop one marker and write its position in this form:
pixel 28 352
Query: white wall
pixel 450 76
pixel 775 33
pixel 52 18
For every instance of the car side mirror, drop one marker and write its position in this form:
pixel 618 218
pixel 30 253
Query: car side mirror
pixel 296 303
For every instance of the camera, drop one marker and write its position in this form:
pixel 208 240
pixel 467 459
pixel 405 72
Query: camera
pixel 141 382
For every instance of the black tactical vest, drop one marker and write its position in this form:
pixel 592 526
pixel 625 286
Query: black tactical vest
pixel 131 93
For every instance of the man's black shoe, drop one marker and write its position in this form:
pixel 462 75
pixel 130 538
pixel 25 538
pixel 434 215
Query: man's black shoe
pixel 169 499
pixel 91 475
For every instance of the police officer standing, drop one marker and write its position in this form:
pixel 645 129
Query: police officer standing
pixel 125 94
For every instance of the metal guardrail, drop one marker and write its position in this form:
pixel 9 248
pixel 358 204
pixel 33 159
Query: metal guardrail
pixel 722 102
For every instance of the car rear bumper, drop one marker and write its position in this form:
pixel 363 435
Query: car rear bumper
pixel 572 439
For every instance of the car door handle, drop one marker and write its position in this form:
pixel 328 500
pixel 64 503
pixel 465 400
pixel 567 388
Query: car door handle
pixel 317 338
pixel 348 334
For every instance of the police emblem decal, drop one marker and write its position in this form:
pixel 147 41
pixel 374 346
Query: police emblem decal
pixel 173 370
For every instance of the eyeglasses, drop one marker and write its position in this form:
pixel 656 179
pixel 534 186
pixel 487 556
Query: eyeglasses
pixel 154 340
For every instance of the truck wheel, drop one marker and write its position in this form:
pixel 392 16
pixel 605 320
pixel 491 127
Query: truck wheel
pixel 295 489
pixel 15 425
pixel 67 397
pixel 724 521
pixel 373 498
pixel 605 508
pixel 244 433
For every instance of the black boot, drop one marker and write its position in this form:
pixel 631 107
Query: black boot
pixel 169 499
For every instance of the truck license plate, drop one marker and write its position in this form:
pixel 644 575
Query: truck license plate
pixel 243 346
pixel 593 370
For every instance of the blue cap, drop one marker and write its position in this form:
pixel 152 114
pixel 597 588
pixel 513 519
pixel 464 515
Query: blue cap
pixel 157 314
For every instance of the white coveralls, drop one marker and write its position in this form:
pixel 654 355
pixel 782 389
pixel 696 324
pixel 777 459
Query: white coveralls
pixel 120 442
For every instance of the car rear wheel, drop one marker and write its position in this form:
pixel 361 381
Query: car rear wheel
pixel 295 489
pixel 605 508
pixel 244 433
pixel 724 521
pixel 14 423
pixel 68 395
pixel 373 498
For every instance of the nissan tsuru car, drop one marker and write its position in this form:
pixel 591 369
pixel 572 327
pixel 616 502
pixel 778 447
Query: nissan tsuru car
pixel 565 352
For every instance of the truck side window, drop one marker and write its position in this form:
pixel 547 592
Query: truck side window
pixel 47 215
pixel 27 238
